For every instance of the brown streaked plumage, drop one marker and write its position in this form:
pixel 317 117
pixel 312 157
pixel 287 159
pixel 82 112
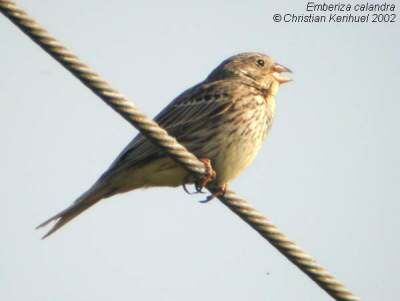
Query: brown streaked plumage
pixel 224 118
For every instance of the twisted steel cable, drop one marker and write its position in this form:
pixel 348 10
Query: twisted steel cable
pixel 101 88
pixel 179 153
pixel 287 247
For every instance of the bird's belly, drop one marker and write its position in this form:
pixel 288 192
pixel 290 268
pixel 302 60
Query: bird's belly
pixel 238 150
pixel 233 159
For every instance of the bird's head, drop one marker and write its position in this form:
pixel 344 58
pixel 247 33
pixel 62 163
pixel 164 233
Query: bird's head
pixel 253 67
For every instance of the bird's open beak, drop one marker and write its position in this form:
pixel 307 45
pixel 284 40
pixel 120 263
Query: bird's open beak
pixel 277 73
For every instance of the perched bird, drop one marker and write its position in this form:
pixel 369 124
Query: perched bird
pixel 222 120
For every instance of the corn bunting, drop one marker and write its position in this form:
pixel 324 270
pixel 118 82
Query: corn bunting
pixel 222 120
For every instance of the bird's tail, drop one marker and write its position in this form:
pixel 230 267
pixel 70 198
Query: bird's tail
pixel 85 201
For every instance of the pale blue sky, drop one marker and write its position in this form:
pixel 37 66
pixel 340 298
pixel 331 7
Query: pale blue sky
pixel 328 175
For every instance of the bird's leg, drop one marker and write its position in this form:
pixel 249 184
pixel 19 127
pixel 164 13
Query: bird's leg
pixel 219 192
pixel 207 178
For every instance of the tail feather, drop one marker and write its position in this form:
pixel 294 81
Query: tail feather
pixel 88 199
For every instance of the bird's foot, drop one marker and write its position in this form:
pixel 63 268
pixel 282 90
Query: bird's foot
pixel 197 190
pixel 220 191
pixel 207 178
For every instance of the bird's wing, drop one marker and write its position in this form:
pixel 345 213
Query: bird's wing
pixel 185 115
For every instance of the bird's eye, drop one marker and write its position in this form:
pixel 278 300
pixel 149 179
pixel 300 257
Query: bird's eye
pixel 260 63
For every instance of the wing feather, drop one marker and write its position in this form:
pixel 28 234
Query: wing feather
pixel 191 109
